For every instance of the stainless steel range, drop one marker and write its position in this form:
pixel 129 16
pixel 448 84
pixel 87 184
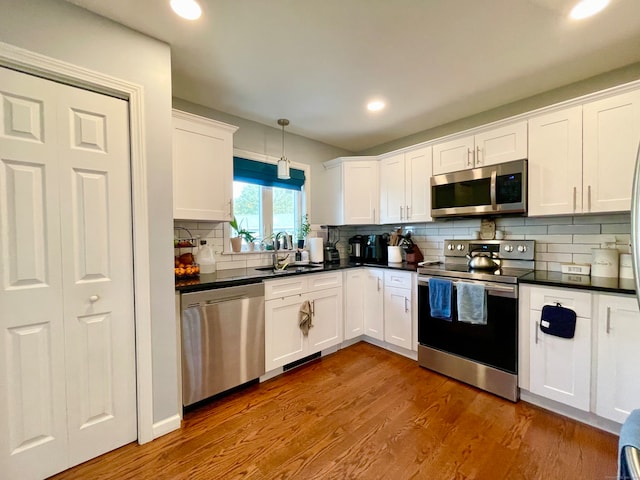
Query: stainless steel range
pixel 475 339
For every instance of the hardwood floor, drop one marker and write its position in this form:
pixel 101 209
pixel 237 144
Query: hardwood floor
pixel 364 413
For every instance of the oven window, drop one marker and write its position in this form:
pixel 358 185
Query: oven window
pixel 462 194
pixel 493 344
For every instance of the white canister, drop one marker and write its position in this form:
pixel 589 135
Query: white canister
pixel 316 252
pixel 206 258
pixel 626 266
pixel 394 254
pixel 604 262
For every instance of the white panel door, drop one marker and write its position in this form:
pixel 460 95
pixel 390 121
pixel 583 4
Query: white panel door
pixel 354 303
pixel 66 302
pixel 617 388
pixel 326 332
pixel 555 163
pixel 284 341
pixel 374 303
pixel 611 136
pixel 33 404
pixel 360 185
pixel 417 191
pixel 397 316
pixel 501 144
pixel 97 272
pixel 392 195
pixel 453 155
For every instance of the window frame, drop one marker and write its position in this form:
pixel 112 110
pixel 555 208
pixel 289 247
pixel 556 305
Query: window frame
pixel 305 192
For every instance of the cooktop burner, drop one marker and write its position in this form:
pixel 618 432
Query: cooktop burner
pixel 514 257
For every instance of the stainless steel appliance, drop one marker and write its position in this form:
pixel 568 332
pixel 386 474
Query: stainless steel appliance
pixel 376 249
pixel 484 355
pixel 357 246
pixel 331 253
pixel 222 340
pixel 496 189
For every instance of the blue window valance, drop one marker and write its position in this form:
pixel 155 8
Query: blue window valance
pixel 266 174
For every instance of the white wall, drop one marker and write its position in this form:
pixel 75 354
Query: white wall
pixel 65 32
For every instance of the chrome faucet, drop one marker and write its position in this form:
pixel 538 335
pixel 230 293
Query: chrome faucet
pixel 275 241
pixel 278 262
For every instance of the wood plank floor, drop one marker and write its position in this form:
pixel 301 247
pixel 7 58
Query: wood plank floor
pixel 364 413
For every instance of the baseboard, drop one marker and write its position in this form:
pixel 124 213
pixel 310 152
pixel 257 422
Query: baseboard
pixel 165 426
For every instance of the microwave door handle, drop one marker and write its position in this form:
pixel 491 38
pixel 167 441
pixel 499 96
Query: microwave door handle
pixel 494 176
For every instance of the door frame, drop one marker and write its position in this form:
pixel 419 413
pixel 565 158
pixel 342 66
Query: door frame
pixel 56 70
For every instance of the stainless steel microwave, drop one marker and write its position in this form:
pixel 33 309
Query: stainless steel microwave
pixel 492 190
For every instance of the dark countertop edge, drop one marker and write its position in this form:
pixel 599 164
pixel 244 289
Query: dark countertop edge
pixel 560 280
pixel 249 275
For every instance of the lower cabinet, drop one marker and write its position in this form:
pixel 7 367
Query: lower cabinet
pixel 284 340
pixel 617 382
pixel 364 303
pixel 397 308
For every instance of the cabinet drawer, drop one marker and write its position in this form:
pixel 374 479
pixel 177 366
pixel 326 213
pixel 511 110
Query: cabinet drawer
pixel 285 288
pixel 397 279
pixel 576 300
pixel 321 281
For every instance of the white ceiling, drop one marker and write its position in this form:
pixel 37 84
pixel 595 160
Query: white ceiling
pixel 318 62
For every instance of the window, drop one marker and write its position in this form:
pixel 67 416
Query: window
pixel 264 204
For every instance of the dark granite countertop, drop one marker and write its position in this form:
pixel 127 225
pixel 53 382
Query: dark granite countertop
pixel 245 276
pixel 586 282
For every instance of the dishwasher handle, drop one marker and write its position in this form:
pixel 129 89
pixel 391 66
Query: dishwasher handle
pixel 224 294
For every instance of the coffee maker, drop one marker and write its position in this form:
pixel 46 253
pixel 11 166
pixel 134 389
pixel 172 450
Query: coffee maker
pixel 357 247
pixel 331 254
pixel 376 249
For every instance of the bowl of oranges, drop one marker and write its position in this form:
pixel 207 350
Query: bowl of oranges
pixel 185 266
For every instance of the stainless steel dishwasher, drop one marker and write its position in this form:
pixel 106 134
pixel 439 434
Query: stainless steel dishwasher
pixel 222 340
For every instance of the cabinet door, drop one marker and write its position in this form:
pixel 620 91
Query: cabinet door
pixel 417 190
pixel 202 168
pixel 354 303
pixel 397 316
pixel 284 341
pixel 555 163
pixel 360 185
pixel 618 387
pixel 374 304
pixel 392 194
pixel 611 136
pixel 501 144
pixel 561 367
pixel 453 155
pixel 326 332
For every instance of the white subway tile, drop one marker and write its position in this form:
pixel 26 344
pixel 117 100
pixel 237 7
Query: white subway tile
pixel 571 248
pixel 611 218
pixel 581 229
pixel 510 221
pixel 528 230
pixel 582 258
pixel 539 265
pixel 554 257
pixel 551 238
pixel 547 220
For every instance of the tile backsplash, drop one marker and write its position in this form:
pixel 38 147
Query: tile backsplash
pixel 558 239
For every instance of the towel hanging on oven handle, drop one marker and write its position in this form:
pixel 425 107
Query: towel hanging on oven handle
pixel 558 320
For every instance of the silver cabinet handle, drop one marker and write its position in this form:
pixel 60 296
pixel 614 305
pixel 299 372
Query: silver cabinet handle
pixel 400 212
pixel 406 309
pixel 313 308
pixel 374 215
pixel 408 216
pixel 608 325
pixel 537 326
pixel 575 193
pixel 378 284
pixel 469 161
pixel 478 162
pixel 230 208
pixel 589 197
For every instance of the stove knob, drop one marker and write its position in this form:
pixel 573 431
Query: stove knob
pixel 450 246
pixel 460 247
pixel 508 248
pixel 522 248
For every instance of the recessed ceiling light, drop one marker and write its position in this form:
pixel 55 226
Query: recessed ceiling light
pixel 587 8
pixel 188 9
pixel 375 105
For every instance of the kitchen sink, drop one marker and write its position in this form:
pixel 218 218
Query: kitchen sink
pixel 290 268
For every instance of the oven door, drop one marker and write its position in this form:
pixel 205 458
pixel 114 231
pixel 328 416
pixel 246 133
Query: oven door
pixel 494 344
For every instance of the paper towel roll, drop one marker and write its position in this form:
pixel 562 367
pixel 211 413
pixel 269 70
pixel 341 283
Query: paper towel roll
pixel 604 262
pixel 316 252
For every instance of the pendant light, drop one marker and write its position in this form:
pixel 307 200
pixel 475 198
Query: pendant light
pixel 283 163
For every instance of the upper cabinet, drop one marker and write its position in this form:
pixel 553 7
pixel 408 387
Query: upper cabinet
pixel 489 147
pixel 404 187
pixel 202 168
pixel 351 184
pixel 582 158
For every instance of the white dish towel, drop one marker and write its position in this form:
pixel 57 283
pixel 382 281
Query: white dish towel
pixel 472 303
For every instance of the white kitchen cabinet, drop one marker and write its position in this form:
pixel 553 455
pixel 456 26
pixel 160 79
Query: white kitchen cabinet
pixel 405 186
pixel 284 340
pixel 582 158
pixel 489 147
pixel 374 303
pixel 202 168
pixel 354 303
pixel 618 336
pixel 560 368
pixel 555 162
pixel 398 308
pixel 352 197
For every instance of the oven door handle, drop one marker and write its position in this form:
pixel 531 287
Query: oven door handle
pixel 502 290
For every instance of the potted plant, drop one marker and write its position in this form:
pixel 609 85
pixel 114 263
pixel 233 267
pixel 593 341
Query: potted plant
pixel 240 234
pixel 303 230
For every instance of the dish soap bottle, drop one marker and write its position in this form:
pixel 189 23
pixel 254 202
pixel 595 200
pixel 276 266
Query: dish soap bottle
pixel 206 258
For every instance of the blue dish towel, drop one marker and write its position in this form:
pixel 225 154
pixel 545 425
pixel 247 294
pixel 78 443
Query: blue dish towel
pixel 629 435
pixel 472 303
pixel 440 298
